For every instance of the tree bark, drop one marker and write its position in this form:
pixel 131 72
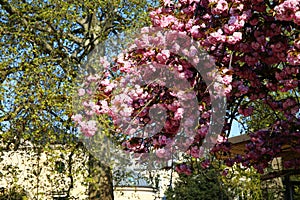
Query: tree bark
pixel 101 188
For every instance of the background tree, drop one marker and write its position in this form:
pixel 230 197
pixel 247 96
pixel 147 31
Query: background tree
pixel 200 184
pixel 216 181
pixel 242 183
pixel 43 47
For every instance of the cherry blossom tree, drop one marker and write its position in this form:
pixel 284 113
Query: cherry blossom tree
pixel 255 46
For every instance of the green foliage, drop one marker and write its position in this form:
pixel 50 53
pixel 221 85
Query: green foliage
pixel 217 182
pixel 14 193
pixel 204 185
pixel 242 183
pixel 43 44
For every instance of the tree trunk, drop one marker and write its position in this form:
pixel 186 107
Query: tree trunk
pixel 101 187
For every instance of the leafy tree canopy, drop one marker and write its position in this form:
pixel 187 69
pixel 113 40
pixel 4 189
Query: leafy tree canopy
pixel 43 44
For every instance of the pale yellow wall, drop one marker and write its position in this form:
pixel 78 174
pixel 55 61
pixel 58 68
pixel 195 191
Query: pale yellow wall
pixel 26 163
pixel 35 173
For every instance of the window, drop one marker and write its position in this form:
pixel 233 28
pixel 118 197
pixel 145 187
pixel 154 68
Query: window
pixel 60 198
pixel 60 166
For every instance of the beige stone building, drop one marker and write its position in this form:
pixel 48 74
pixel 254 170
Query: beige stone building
pixel 61 174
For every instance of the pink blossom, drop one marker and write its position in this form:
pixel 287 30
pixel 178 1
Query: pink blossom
pixel 216 37
pixel 297 42
pixel 104 107
pixel 196 152
pixel 205 115
pixel 88 128
pixel 166 20
pixel 179 113
pixel 93 78
pixel 163 56
pixel 77 118
pixel 126 111
pixel 126 66
pixel 236 37
pixel 167 2
pixel 81 92
pixel 171 126
pixel 227 90
pixel 255 45
pixel 195 31
pixel 105 82
pixel 139 91
pixel 189 24
pixel 297 18
pixel 221 6
pixel 286 10
pixel 278 47
pixel 206 16
pixel 229 29
pixel 265 59
pixel 104 62
pixel 227 79
pixel 293 58
pixel 221 139
pixel 163 140
pixel 162 153
pixel 203 130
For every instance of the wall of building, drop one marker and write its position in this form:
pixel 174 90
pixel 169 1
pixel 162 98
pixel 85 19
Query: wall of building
pixel 44 175
pixel 50 174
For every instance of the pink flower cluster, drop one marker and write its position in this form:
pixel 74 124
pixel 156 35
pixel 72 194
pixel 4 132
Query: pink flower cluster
pixel 256 48
pixel 88 128
pixel 128 100
pixel 219 7
pixel 261 50
pixel 288 10
pixel 139 99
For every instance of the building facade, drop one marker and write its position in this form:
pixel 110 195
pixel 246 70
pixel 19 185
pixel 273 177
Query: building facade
pixel 62 173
